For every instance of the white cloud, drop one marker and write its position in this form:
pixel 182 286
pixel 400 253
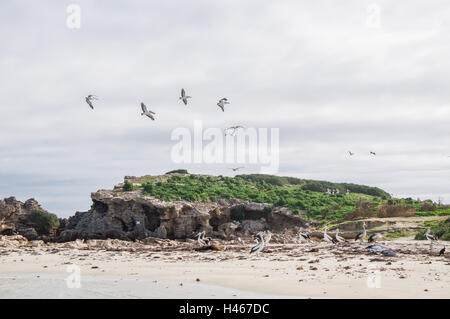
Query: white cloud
pixel 313 69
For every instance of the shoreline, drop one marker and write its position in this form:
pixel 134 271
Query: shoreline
pixel 310 270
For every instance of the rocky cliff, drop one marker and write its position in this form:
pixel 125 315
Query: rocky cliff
pixel 131 215
pixel 28 219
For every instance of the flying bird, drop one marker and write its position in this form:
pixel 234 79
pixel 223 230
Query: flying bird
pixel 89 100
pixel 145 111
pixel 237 168
pixel 222 103
pixel 351 154
pixel 184 97
pixel 373 153
pixel 233 129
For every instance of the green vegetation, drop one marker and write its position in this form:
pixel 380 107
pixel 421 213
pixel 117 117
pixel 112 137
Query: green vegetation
pixel 44 222
pixel 128 186
pixel 396 235
pixel 438 212
pixel 177 171
pixel 440 229
pixel 306 198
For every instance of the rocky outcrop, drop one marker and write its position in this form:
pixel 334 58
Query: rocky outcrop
pixel 20 218
pixel 131 215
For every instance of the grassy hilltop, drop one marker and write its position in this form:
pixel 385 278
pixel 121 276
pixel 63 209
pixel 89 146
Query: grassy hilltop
pixel 303 197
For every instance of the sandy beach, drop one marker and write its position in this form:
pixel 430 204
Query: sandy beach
pixel 174 270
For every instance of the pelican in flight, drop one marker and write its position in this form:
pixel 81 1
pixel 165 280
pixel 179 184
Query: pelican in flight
pixel 374 237
pixel 222 103
pixel 327 238
pixel 362 234
pixel 184 97
pixel 260 245
pixel 351 153
pixel 145 111
pixel 233 129
pixel 89 100
pixel 237 168
pixel 429 236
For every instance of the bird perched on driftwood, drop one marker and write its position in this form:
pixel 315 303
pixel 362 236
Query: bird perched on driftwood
pixel 145 111
pixel 222 103
pixel 89 100
pixel 184 97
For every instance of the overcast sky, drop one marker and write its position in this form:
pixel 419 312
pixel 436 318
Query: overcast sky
pixel 361 76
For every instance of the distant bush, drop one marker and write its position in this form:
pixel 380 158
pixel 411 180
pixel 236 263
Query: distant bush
pixel 177 171
pixel 128 186
pixel 428 206
pixel 395 210
pixel 44 222
pixel 440 229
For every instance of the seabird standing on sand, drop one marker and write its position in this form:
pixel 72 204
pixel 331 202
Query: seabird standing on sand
pixel 304 236
pixel 260 245
pixel 222 103
pixel 89 100
pixel 429 236
pixel 184 97
pixel 145 111
pixel 338 238
pixel 362 234
pixel 199 239
pixel 442 251
pixel 374 237
pixel 327 238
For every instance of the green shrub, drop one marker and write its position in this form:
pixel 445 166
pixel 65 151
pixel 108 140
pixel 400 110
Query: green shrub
pixel 440 229
pixel 128 186
pixel 44 222
pixel 177 171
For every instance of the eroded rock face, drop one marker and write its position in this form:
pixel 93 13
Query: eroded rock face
pixel 15 218
pixel 131 216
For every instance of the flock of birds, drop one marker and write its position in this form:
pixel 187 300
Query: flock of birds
pixel 183 97
pixel 232 130
pixel 264 237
